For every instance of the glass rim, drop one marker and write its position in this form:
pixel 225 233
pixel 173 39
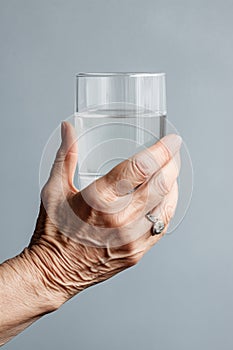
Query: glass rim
pixel 118 74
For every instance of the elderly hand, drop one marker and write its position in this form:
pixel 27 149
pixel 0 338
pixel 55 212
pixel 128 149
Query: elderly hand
pixel 84 237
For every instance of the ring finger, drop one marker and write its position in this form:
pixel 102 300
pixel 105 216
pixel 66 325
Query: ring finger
pixel 164 212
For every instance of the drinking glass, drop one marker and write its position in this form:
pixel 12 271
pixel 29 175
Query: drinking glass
pixel 117 115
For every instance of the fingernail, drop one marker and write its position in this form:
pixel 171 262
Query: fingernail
pixel 172 142
pixel 63 130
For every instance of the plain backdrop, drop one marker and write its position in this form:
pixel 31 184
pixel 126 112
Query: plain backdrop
pixel 180 296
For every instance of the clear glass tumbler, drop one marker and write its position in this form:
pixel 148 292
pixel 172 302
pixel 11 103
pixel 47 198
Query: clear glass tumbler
pixel 117 115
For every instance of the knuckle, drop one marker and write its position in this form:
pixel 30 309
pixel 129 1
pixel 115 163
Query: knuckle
pixel 113 220
pixel 168 212
pixel 60 156
pixel 103 190
pixel 161 184
pixel 120 220
pixel 139 167
pixel 164 152
pixel 103 187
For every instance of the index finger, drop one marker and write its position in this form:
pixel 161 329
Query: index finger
pixel 134 171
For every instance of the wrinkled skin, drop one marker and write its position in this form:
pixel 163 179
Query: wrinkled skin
pixel 83 238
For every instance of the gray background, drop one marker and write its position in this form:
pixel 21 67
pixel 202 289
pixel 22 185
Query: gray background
pixel 180 296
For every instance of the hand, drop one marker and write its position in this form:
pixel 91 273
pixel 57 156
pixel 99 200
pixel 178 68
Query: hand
pixel 83 238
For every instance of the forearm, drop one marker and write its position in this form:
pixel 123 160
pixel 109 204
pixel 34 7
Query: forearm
pixel 23 296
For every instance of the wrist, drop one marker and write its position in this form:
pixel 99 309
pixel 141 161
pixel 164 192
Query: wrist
pixel 23 296
pixel 41 278
pixel 63 267
pixel 33 289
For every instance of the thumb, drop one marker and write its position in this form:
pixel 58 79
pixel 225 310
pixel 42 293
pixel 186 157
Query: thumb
pixel 67 155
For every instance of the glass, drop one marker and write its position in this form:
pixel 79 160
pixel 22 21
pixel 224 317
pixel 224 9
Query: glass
pixel 117 115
